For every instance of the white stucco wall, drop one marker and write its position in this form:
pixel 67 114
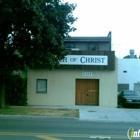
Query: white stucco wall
pixel 132 75
pixel 61 86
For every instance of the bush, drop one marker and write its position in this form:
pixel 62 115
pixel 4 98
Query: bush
pixel 16 91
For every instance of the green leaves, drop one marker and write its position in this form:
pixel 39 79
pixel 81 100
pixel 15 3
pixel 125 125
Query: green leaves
pixel 32 33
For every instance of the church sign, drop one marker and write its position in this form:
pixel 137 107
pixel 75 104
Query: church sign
pixel 85 60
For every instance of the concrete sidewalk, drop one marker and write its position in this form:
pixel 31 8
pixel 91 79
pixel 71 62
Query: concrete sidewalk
pixel 105 114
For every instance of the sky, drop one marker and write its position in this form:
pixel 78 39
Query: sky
pixel 121 17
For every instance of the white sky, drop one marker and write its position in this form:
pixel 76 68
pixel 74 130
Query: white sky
pixel 121 17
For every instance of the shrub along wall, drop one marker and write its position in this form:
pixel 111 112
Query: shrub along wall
pixel 16 91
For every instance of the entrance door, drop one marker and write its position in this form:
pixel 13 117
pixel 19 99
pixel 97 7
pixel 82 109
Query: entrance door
pixel 87 91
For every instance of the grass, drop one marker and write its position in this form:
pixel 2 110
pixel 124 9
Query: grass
pixel 40 111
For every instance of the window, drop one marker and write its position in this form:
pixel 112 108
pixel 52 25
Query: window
pixel 92 47
pixel 123 87
pixel 137 87
pixel 41 86
pixel 69 46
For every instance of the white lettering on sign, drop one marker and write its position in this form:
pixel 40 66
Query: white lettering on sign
pixel 87 73
pixel 85 60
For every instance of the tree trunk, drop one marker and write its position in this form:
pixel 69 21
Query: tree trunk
pixel 2 92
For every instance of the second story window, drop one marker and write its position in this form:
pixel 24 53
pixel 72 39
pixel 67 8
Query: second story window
pixel 69 46
pixel 92 47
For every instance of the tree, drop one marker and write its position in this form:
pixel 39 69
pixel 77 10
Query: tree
pixel 128 56
pixel 32 34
